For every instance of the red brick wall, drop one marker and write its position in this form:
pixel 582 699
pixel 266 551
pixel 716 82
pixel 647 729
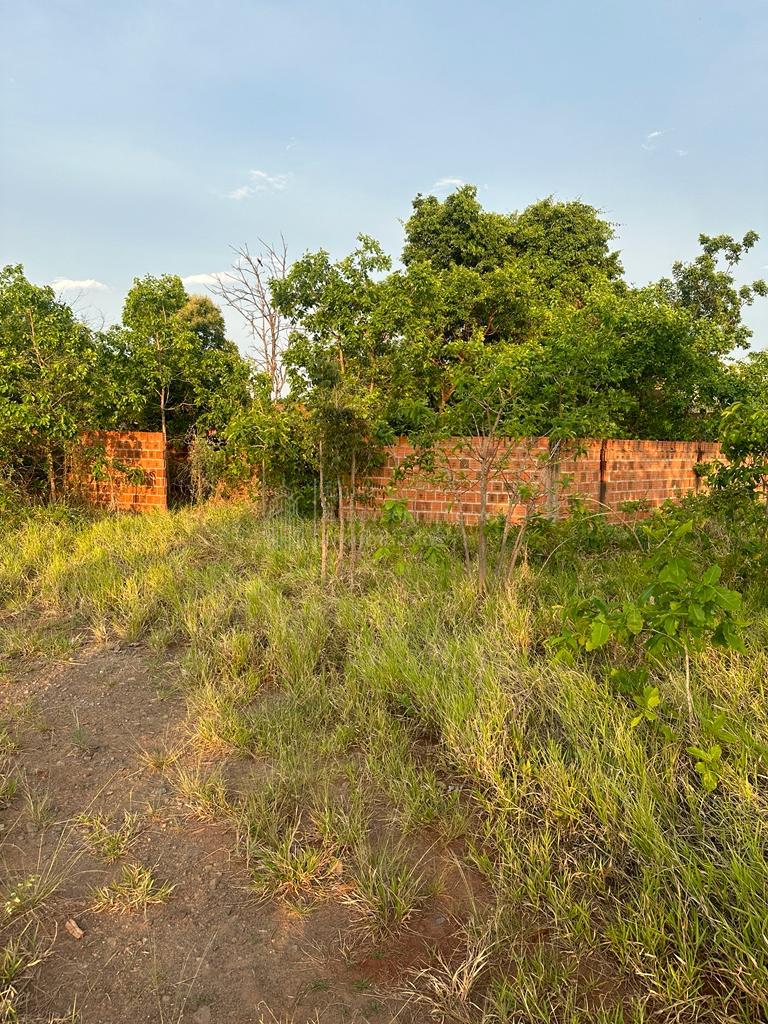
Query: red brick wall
pixel 115 452
pixel 603 474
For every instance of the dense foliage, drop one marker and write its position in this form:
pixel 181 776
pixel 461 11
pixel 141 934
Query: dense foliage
pixel 522 323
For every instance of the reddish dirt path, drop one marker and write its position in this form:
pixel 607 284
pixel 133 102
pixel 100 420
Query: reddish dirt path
pixel 210 954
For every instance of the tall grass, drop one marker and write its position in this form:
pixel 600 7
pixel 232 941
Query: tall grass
pixel 401 709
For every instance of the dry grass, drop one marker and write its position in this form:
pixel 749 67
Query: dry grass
pixel 397 712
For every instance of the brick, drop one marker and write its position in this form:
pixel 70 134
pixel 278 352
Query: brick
pixel 142 449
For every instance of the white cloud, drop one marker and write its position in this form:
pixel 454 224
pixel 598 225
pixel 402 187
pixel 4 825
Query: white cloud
pixel 204 279
pixel 263 181
pixel 243 192
pixel 448 183
pixel 651 139
pixel 682 152
pixel 260 182
pixel 67 284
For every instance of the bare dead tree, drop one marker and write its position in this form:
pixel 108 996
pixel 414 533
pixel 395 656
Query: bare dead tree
pixel 246 289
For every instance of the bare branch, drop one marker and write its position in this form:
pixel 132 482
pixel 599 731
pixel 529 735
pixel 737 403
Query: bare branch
pixel 246 289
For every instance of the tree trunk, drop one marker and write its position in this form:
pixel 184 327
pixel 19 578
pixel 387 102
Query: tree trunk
pixel 688 693
pixel 464 538
pixel 353 520
pixel 512 501
pixel 517 547
pixel 482 540
pixel 342 537
pixel 51 470
pixel 324 518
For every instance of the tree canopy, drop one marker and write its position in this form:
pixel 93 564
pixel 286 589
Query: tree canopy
pixel 527 311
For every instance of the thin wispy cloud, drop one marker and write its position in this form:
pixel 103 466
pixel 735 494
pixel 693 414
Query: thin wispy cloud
pixel 243 192
pixel 442 183
pixel 260 181
pixel 681 152
pixel 651 140
pixel 263 182
pixel 205 280
pixel 68 284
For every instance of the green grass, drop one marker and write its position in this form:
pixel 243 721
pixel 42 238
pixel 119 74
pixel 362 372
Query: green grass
pixel 137 888
pixel 386 888
pixel 396 713
pixel 110 842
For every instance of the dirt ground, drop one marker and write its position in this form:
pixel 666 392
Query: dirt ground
pixel 211 954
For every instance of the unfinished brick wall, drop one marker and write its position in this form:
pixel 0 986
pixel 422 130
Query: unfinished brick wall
pixel 652 471
pixel 121 469
pixel 539 476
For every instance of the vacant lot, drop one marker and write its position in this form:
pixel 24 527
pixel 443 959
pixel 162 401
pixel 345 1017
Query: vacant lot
pixel 382 796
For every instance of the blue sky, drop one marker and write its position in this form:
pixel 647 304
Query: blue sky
pixel 150 137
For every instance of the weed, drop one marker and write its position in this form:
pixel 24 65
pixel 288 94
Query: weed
pixel 79 736
pixel 110 843
pixel 291 869
pixel 9 785
pixel 203 792
pixel 386 889
pixel 159 759
pixel 584 800
pixel 39 808
pixel 28 893
pixel 136 889
pixel 19 958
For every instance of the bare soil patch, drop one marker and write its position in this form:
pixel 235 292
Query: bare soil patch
pixel 211 952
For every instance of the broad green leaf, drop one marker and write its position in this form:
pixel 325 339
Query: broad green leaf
pixel 712 575
pixel 599 635
pixel 634 620
pixel 729 599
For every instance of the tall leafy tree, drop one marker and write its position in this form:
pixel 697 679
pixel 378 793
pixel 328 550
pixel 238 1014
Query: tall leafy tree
pixel 563 245
pixel 338 361
pixel 457 231
pixel 47 378
pixel 175 350
pixel 707 288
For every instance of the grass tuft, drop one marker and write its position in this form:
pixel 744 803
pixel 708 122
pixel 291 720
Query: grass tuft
pixel 136 889
pixel 111 843
pixel 386 889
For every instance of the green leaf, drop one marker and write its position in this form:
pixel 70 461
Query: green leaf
pixel 599 635
pixel 634 619
pixel 674 572
pixel 727 635
pixel 652 696
pixel 696 614
pixel 683 529
pixel 697 752
pixel 712 575
pixel 670 625
pixel 728 599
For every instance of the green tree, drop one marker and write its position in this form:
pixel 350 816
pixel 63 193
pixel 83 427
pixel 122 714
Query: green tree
pixel 47 378
pixel 562 245
pixel 339 365
pixel 565 245
pixel 457 231
pixel 706 287
pixel 175 351
pixel 156 346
